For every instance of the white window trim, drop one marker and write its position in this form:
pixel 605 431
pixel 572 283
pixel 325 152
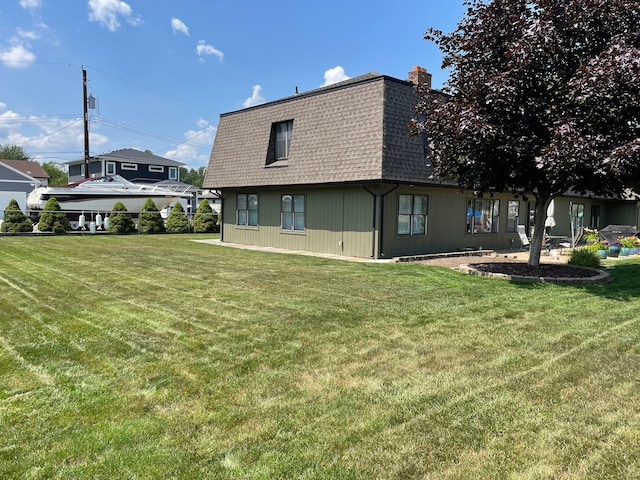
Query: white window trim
pixel 173 173
pixel 106 168
pixel 156 168
pixel 129 166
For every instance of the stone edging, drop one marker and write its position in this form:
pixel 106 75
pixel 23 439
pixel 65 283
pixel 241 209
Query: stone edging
pixel 602 277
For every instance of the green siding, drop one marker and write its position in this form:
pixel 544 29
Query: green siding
pixel 341 221
pixel 337 221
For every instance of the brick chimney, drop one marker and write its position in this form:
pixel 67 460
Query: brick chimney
pixel 420 76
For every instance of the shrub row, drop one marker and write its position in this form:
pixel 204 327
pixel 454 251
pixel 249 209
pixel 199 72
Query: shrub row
pixel 53 219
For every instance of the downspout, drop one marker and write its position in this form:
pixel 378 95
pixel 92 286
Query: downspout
pixel 220 216
pixel 373 226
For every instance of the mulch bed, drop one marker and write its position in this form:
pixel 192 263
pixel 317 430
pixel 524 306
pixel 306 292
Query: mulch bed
pixel 546 270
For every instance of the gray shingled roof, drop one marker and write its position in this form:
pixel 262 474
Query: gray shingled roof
pixel 136 156
pixel 352 131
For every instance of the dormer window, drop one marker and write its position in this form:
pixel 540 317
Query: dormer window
pixel 280 141
pixel 283 139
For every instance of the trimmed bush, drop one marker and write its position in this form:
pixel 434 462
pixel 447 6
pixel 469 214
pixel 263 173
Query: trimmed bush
pixel 14 220
pixel 204 220
pixel 177 221
pixel 51 216
pixel 584 257
pixel 120 221
pixel 150 218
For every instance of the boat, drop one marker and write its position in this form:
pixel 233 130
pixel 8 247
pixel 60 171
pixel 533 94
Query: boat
pixel 102 193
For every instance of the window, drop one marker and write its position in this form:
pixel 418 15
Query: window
pixel 283 139
pixel 412 214
pixel 512 215
pixel 483 216
pixel 156 168
pixel 577 215
pixel 279 147
pixel 110 168
pixel 292 212
pixel 173 173
pixel 247 209
pixel 129 166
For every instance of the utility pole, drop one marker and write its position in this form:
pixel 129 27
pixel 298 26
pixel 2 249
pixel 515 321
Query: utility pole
pixel 86 123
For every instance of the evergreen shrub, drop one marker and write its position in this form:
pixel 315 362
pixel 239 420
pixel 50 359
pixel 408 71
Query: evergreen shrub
pixel 52 215
pixel 150 218
pixel 15 220
pixel 204 220
pixel 120 220
pixel 177 221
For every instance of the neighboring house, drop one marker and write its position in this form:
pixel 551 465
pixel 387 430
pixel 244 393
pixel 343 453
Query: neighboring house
pixel 334 170
pixel 134 165
pixel 17 179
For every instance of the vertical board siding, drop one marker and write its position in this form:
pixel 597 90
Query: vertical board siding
pixel 340 221
pixel 334 222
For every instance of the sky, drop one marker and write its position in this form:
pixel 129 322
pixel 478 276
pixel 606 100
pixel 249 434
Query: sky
pixel 163 71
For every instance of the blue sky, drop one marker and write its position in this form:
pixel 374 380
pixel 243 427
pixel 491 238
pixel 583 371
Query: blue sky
pixel 163 71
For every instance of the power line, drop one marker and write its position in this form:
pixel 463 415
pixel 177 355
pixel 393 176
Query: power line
pixel 149 133
pixel 153 89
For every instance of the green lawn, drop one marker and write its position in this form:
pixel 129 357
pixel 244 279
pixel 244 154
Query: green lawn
pixel 157 357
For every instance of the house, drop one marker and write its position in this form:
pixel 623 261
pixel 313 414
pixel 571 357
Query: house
pixel 17 179
pixel 131 164
pixel 334 170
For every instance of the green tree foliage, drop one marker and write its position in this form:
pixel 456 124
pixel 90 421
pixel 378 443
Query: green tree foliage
pixel 15 220
pixel 177 221
pixel 204 220
pixel 120 220
pixel 13 152
pixel 150 218
pixel 543 97
pixel 193 176
pixel 53 219
pixel 56 172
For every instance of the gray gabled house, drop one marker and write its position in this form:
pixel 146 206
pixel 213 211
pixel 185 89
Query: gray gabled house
pixel 131 164
pixel 335 170
pixel 17 179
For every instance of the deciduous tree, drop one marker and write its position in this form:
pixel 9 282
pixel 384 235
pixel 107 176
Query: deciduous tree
pixel 56 172
pixel 543 98
pixel 13 152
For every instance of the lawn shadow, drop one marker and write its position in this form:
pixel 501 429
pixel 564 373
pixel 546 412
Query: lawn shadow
pixel 624 284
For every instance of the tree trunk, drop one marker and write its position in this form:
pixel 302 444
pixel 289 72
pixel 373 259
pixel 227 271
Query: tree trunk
pixel 535 249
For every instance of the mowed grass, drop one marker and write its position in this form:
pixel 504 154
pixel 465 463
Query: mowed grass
pixel 158 357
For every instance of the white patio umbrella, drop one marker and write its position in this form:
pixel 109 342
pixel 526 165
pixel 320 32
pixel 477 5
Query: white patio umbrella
pixel 550 222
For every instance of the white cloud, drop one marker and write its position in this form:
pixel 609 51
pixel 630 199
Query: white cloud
pixel 107 13
pixel 30 4
pixel 40 133
pixel 204 49
pixel 334 75
pixel 29 35
pixel 256 97
pixel 178 25
pixel 191 151
pixel 17 57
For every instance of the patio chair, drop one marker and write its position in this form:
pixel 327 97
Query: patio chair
pixel 523 237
